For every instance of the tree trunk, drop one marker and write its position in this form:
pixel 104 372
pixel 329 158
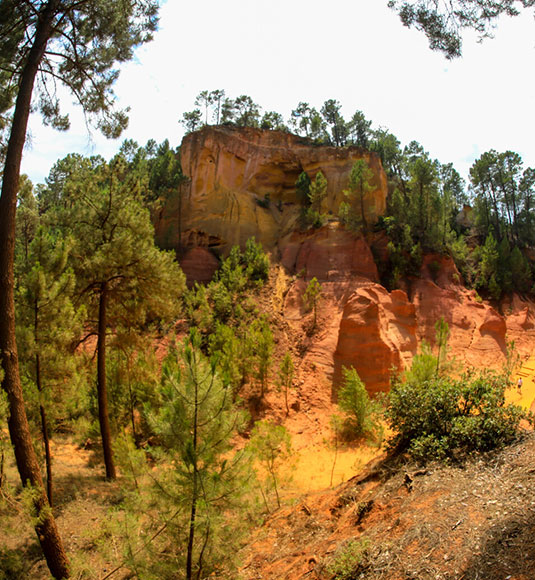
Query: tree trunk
pixel 19 430
pixel 102 392
pixel 44 432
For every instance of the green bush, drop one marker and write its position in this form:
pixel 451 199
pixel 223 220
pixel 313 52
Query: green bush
pixel 361 413
pixel 439 417
pixel 348 558
pixel 11 565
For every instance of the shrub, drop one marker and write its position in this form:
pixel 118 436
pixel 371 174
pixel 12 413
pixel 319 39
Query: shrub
pixel 11 565
pixel 256 261
pixel 439 417
pixel 348 558
pixel 361 413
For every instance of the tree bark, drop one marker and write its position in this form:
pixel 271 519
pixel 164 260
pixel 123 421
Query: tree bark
pixel 19 430
pixel 42 411
pixel 102 391
pixel 44 432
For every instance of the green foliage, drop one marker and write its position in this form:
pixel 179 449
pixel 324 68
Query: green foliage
pixel 198 496
pixel 84 47
pixel 404 256
pixel 306 120
pixel 232 353
pixel 443 22
pixel 256 261
pixel 48 327
pixel 359 130
pixel 521 273
pixel 133 383
pixel 12 565
pixel 437 416
pixel 317 192
pixel 260 341
pixel 311 298
pixel 192 120
pixel 330 111
pixel 273 121
pixel 354 213
pixel 362 415
pixel 302 187
pixel 345 563
pixel 271 446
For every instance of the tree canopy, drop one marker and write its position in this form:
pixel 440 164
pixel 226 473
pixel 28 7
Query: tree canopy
pixel 443 21
pixel 46 46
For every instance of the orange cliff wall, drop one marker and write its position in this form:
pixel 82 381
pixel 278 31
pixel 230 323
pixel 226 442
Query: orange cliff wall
pixel 361 324
pixel 232 172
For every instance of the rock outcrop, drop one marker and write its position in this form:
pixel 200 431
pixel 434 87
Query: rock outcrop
pixel 377 333
pixel 241 183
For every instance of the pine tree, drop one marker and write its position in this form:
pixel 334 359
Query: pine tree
pixel 125 280
pixel 78 44
pixel 271 445
pixel 357 193
pixel 311 298
pixel 208 482
pixel 316 194
pixel 47 327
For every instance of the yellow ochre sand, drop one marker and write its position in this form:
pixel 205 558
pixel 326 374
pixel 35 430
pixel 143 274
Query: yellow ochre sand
pixel 314 464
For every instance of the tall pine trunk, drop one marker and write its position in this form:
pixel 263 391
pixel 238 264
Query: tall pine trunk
pixel 19 429
pixel 102 390
pixel 44 433
pixel 42 410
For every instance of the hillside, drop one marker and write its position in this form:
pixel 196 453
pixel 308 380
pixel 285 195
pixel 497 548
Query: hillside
pixel 401 521
pixel 241 183
pixel 344 283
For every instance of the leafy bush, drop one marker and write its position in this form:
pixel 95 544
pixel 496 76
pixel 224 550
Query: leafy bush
pixel 256 261
pixel 347 559
pixel 11 565
pixel 441 417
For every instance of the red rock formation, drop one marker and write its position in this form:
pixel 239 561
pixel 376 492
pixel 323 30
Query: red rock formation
pixel 377 332
pixel 330 253
pixel 199 265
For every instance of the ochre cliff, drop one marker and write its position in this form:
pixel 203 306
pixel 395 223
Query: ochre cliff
pixel 241 183
pixel 364 326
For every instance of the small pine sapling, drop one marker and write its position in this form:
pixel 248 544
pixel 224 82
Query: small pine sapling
pixel 286 375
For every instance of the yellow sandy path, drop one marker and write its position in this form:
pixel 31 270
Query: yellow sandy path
pixel 526 397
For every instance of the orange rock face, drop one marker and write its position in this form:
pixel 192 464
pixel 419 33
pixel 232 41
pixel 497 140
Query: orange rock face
pixel 242 184
pixel 377 332
pixel 366 327
pixel 330 253
pixel 199 265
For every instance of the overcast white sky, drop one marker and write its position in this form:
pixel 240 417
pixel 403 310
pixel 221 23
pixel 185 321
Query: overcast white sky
pixel 285 51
